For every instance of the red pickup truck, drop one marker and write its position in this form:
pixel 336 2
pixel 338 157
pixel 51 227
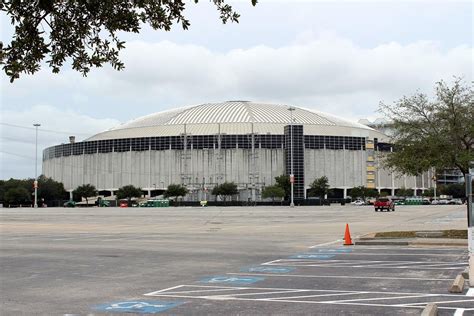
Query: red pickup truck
pixel 384 203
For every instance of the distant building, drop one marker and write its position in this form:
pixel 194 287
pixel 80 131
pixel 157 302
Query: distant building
pixel 244 142
pixel 443 177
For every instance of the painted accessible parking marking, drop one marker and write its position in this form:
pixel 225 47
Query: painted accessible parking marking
pixel 235 280
pixel 332 250
pixel 312 256
pixel 139 307
pixel 267 269
pixel 308 261
pixel 315 296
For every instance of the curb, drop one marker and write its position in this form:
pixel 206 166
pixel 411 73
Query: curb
pixel 430 310
pixel 458 285
pixel 394 242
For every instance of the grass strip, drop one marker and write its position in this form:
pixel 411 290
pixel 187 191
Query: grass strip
pixel 450 233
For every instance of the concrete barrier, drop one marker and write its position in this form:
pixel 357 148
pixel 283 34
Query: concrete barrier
pixel 430 310
pixel 458 285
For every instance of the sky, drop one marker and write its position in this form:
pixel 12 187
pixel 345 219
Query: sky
pixel 339 57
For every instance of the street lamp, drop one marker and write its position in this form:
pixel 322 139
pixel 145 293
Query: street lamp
pixel 36 125
pixel 292 176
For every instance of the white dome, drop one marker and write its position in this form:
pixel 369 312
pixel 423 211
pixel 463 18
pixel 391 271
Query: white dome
pixel 234 117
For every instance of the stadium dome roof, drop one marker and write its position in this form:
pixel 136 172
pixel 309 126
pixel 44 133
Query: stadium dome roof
pixel 235 117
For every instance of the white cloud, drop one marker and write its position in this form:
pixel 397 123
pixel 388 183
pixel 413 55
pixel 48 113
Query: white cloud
pixel 327 72
pixel 323 72
pixel 17 152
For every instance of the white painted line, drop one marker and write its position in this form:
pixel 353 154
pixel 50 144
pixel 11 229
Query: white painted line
pixel 470 292
pixel 315 295
pixel 370 261
pixel 326 244
pixel 160 291
pixel 338 276
pixel 199 291
pixel 438 302
pixel 459 312
pixel 383 298
pixel 262 293
pixel 270 262
pixel 293 301
pixel 307 290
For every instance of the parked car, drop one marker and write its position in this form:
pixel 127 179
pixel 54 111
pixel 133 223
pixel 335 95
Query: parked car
pixel 358 202
pixel 384 203
pixel 455 202
pixel 69 204
pixel 399 202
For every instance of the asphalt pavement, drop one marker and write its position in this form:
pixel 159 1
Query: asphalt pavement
pixel 216 261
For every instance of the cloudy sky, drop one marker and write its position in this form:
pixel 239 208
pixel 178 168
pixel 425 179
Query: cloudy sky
pixel 340 57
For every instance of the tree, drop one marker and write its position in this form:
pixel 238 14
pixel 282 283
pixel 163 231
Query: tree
pixel 50 190
pixel 319 187
pixel 283 182
pixel 456 190
pixel 273 191
pixel 428 193
pixel 86 191
pixel 405 192
pixel 225 189
pixel 435 133
pixel 363 192
pixel 128 192
pixel 85 31
pixel 18 195
pixel 176 190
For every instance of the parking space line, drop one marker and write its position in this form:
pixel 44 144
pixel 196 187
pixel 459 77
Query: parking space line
pixel 437 302
pixel 459 312
pixel 326 244
pixel 371 264
pixel 265 293
pixel 340 276
pixel 163 290
pixel 316 295
pixel 311 293
pixel 302 290
pixel 383 298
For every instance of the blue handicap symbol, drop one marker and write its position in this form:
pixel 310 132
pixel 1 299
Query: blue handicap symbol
pixel 139 307
pixel 268 269
pixel 334 250
pixel 231 279
pixel 312 256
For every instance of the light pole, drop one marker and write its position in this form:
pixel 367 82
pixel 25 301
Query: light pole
pixel 292 176
pixel 35 184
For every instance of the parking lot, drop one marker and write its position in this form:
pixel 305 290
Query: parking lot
pixel 246 261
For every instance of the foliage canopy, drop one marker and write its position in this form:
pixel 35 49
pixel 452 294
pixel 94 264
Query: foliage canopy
pixel 176 190
pixel 128 192
pixel 85 31
pixel 48 190
pixel 435 133
pixel 273 192
pixel 225 189
pixel 283 181
pixel 319 187
pixel 363 192
pixel 86 191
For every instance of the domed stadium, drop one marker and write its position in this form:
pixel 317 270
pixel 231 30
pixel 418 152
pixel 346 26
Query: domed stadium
pixel 243 142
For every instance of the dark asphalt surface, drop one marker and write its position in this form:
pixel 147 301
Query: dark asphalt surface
pixel 193 262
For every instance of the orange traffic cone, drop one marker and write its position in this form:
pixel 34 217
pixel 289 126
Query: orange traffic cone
pixel 347 237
